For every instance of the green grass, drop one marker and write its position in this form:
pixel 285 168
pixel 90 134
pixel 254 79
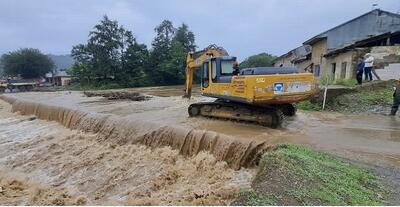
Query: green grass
pixel 346 82
pixel 253 199
pixel 383 96
pixel 361 101
pixel 308 106
pixel 296 175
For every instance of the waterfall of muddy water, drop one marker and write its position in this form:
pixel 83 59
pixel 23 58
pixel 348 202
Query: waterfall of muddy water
pixel 45 163
pixel 118 130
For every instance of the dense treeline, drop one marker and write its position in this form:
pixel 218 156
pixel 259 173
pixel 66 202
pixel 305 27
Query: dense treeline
pixel 260 60
pixel 113 56
pixel 27 63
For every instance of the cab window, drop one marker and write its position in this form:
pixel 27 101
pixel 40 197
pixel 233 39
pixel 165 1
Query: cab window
pixel 226 68
pixel 213 70
pixel 205 75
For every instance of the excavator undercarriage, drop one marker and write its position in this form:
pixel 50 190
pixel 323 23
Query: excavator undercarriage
pixel 270 116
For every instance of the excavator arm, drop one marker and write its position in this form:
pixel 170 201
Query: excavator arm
pixel 195 61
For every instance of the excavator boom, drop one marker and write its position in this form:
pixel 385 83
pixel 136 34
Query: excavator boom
pixel 194 60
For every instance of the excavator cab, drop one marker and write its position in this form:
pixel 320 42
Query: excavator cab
pixel 218 70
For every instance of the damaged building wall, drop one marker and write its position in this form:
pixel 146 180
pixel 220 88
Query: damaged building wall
pixel 385 55
pixel 346 63
pixel 285 61
pixel 387 61
pixel 298 58
pixel 304 65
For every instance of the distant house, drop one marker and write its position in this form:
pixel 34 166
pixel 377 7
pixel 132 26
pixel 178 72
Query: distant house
pixel 59 78
pixel 336 51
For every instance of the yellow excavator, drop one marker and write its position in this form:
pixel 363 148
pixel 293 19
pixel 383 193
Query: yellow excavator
pixel 262 95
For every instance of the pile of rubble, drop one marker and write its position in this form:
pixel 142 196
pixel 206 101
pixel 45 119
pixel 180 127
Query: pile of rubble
pixel 115 95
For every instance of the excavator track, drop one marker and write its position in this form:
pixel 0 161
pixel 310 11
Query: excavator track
pixel 270 116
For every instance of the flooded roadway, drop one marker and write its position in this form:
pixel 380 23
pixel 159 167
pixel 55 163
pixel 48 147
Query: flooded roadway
pixel 100 172
pixel 371 138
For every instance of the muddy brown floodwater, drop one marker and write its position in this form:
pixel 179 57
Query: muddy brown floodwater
pixel 113 173
pixel 44 163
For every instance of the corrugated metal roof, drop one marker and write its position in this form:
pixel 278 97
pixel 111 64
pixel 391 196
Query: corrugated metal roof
pixel 373 23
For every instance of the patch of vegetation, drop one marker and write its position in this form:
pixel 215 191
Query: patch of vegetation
pixel 367 100
pixel 296 175
pixel 346 82
pixel 252 198
pixel 308 106
pixel 384 96
pixel 326 80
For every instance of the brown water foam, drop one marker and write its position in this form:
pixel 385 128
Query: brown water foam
pixel 118 130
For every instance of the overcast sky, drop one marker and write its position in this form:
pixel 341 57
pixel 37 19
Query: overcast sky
pixel 243 27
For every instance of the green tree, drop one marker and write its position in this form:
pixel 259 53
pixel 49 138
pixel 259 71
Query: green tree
pixel 185 37
pixel 134 61
pixel 168 55
pixel 160 53
pixel 28 62
pixel 260 60
pixel 112 54
pixel 174 68
pixel 103 55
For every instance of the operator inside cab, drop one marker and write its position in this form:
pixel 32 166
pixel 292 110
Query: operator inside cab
pixel 236 69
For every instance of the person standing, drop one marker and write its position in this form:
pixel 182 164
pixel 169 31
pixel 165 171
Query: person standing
pixel 396 98
pixel 369 63
pixel 360 70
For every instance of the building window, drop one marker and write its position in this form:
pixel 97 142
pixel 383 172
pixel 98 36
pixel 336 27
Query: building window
pixel 317 70
pixel 343 70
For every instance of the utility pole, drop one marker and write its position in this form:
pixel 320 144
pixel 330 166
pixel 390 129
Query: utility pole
pixel 374 6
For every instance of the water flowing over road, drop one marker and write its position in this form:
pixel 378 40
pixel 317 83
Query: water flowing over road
pixel 151 152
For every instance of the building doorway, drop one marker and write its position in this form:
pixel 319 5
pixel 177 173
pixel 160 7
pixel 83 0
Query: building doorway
pixel 333 70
